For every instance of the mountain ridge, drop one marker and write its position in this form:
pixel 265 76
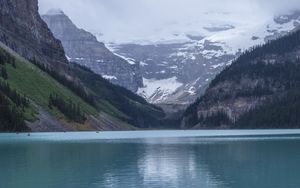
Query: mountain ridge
pixel 256 91
pixel 197 60
pixel 83 48
pixel 63 96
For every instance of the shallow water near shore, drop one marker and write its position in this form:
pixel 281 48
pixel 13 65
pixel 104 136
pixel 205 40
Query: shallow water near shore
pixel 156 159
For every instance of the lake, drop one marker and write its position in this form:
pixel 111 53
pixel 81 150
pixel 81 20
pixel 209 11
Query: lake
pixel 151 159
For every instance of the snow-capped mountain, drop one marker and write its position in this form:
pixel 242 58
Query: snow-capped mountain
pixel 83 48
pixel 180 44
pixel 178 68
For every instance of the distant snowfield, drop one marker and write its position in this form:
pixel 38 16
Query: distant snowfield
pixel 206 135
pixel 233 25
pixel 231 31
pixel 217 27
pixel 167 21
pixel 241 37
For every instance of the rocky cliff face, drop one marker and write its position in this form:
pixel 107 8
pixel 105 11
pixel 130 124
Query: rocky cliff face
pixel 23 30
pixel 24 33
pixel 83 48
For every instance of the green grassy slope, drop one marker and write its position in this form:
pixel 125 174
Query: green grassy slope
pixel 36 85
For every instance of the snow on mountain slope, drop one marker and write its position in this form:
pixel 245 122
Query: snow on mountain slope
pixel 192 40
pixel 157 91
pixel 195 57
pixel 246 36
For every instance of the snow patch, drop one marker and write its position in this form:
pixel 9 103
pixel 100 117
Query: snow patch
pixel 129 60
pixel 100 61
pixel 68 58
pixel 192 90
pixel 109 77
pixel 218 65
pixel 143 64
pixel 80 58
pixel 158 90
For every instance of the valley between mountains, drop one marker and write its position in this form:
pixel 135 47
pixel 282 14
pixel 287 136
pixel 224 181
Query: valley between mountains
pixel 56 76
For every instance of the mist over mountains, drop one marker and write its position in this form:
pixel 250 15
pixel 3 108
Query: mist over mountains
pixel 154 20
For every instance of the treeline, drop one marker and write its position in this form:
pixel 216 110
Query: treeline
pixel 75 87
pixel 286 73
pixel 272 79
pixel 11 117
pixel 19 100
pixel 12 106
pixel 3 73
pixel 69 109
pixel 243 65
pixel 279 46
pixel 12 103
pixel 6 58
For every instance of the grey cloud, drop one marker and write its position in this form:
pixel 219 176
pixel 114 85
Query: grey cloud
pixel 136 16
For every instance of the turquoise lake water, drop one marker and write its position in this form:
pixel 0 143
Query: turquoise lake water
pixel 151 159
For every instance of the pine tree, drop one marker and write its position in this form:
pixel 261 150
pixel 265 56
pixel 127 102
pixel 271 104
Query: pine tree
pixel 4 73
pixel 69 109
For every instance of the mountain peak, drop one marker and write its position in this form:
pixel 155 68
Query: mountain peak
pixel 52 12
pixel 83 48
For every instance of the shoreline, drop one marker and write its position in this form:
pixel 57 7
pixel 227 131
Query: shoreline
pixel 148 134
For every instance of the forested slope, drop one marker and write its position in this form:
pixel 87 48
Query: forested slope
pixel 259 90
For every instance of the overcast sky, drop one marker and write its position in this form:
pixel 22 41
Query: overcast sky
pixel 130 19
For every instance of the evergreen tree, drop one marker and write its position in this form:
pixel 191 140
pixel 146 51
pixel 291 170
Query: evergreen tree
pixel 4 73
pixel 69 109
